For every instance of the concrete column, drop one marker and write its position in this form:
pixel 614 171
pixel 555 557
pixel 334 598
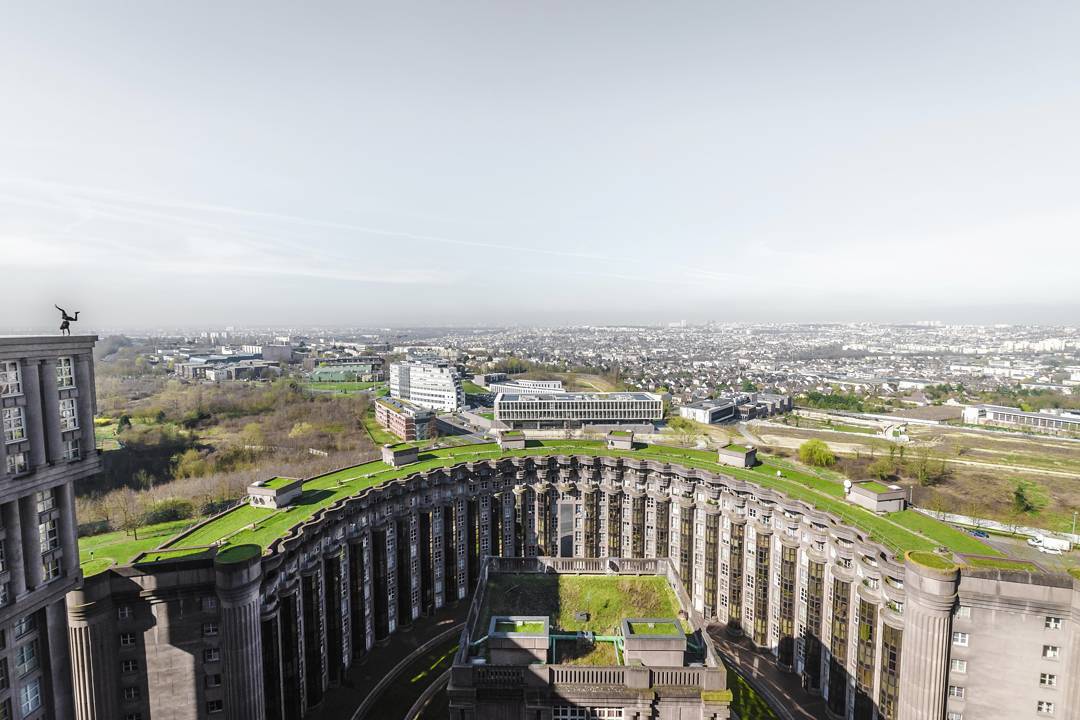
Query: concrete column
pixel 924 666
pixel 13 548
pixel 508 524
pixel 368 593
pixel 392 588
pixel 84 381
pixel 438 550
pixel 92 635
pixel 65 500
pixel 31 540
pixel 60 667
pixel 241 636
pixel 50 398
pixel 461 540
pixel 414 564
pixel 35 430
pixel 483 509
pixel 3 452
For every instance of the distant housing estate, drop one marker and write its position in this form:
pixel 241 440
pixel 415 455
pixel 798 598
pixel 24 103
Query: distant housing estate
pixel 359 368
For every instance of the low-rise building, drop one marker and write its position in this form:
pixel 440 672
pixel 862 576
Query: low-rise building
pixel 577 409
pixel 407 421
pixel 1048 421
pixel 526 387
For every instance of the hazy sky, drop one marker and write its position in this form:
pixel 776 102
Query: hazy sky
pixel 454 162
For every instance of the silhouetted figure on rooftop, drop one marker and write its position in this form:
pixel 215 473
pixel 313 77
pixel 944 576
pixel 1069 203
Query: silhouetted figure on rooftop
pixel 65 326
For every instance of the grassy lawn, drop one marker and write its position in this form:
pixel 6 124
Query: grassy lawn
pixel 120 547
pixel 1000 564
pixel 875 486
pixel 747 703
pixel 341 387
pixel 105 435
pixel 607 599
pixel 945 534
pixel 931 560
pixel 472 388
pixel 519 626
pixel 262 526
pixel 487 415
pixel 660 628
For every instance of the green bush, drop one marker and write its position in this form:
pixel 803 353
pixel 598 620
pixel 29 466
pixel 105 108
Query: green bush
pixel 816 453
pixel 168 510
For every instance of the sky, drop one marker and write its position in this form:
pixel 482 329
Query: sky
pixel 241 163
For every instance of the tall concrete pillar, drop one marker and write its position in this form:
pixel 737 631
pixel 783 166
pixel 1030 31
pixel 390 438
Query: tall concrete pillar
pixel 35 429
pixel 3 452
pixel 31 539
pixel 65 501
pixel 392 588
pixel 924 668
pixel 438 550
pixel 50 398
pixel 92 636
pixel 13 548
pixel 461 540
pixel 59 659
pixel 241 633
pixel 84 381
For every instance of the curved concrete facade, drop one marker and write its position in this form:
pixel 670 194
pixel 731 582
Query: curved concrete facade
pixel 869 631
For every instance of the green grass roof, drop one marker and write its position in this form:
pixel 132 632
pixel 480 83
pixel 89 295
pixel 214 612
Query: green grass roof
pixel 654 628
pixel 276 483
pixel 261 526
pixel 875 486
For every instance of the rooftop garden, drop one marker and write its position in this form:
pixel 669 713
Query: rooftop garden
pixel 733 447
pixel 653 628
pixel 261 526
pixel 606 599
pixel 276 483
pixel 1001 564
pixel 931 560
pixel 513 434
pixel 621 433
pixel 528 627
pixel 875 487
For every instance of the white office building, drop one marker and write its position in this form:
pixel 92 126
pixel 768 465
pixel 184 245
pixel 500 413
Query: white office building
pixel 431 384
pixel 573 409
pixel 527 387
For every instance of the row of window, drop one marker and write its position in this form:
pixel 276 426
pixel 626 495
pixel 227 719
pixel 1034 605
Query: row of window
pixel 1051 652
pixel 15 420
pixel 11 376
pixel 1042 707
pixel 1050 622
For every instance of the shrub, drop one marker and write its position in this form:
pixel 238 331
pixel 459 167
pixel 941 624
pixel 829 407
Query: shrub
pixel 816 453
pixel 168 510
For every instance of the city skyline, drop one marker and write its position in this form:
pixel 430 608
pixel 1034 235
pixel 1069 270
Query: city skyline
pixel 623 163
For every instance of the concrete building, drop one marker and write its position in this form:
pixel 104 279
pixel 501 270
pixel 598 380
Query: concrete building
pixel 576 409
pixel 709 411
pixel 360 368
pixel 431 384
pixel 526 387
pixel 405 420
pixel 1056 421
pixel 47 402
pixel 879 633
pixel 736 407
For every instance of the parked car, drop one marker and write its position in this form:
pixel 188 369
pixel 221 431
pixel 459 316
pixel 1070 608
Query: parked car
pixel 979 533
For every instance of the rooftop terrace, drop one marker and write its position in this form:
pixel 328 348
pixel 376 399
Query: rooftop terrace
pixel 261 526
pixel 608 600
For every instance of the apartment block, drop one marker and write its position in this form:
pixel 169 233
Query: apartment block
pixel 47 403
